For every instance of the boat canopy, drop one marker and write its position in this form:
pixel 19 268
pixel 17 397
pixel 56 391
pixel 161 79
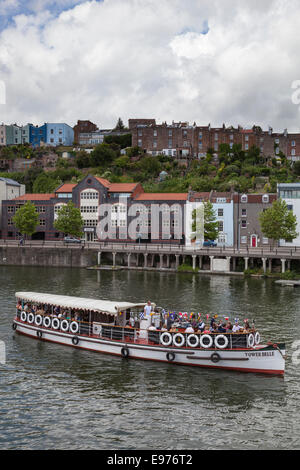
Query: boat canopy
pixel 80 303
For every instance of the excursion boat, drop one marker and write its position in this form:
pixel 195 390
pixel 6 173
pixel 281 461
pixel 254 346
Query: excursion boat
pixel 101 326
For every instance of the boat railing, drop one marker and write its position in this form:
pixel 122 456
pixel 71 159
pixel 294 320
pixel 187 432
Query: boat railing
pixel 178 339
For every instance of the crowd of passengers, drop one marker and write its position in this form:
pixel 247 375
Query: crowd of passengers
pixel 171 322
pixel 174 323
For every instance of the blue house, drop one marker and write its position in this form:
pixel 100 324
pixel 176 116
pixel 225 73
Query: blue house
pixel 59 134
pixel 37 135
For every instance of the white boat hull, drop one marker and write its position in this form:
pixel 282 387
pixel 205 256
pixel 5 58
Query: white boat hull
pixel 269 359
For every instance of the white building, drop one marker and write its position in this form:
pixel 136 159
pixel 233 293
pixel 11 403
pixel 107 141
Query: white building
pixel 290 193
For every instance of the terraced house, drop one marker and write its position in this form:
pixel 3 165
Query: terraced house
pixel 182 140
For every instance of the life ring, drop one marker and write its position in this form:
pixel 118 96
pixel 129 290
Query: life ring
pixel 64 326
pixel 168 341
pixel 39 334
pixel 23 316
pixel 178 340
pixel 14 326
pixel 38 320
pixel 47 322
pixel 75 340
pixel 170 356
pixel 224 339
pixel 250 341
pixel 74 327
pixel 215 357
pixel 125 352
pixel 203 344
pixel 257 338
pixel 190 340
pixel 55 324
pixel 30 318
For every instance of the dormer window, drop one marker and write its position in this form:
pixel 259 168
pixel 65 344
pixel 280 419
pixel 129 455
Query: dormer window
pixel 244 198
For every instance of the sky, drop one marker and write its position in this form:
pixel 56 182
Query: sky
pixel 203 61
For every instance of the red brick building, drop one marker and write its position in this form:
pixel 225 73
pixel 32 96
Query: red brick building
pixel 83 127
pixel 182 140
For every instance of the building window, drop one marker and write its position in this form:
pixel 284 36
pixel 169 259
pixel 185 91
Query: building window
pixel 293 152
pixel 244 223
pixel 293 143
pixel 42 222
pixel 244 239
pixel 265 240
pixel 244 212
pixel 220 212
pixel 155 133
pixel 170 132
pixel 222 238
pixel 246 146
pixel 154 144
pixel 244 198
pixel 221 226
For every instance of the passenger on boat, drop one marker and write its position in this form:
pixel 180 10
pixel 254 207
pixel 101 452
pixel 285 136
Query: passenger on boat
pixel 213 327
pixel 189 329
pixel 164 327
pixel 173 329
pixel 201 326
pixel 229 327
pixel 206 330
pixel 247 326
pixel 236 327
pixel 148 310
pixel 222 328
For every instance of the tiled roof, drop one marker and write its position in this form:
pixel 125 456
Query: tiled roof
pixel 66 188
pixel 103 181
pixel 35 197
pixel 122 187
pixel 162 197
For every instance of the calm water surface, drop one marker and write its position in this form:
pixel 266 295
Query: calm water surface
pixel 55 397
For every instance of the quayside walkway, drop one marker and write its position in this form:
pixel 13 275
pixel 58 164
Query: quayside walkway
pixel 171 256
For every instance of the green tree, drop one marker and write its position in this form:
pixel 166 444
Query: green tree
pixel 120 125
pixel 278 222
pixel 210 222
pixel 83 159
pixel 69 220
pixel 45 183
pixel 102 155
pixel 26 219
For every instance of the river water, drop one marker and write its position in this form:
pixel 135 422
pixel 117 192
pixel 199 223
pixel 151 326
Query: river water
pixel 56 397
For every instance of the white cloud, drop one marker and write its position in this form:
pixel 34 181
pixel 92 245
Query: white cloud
pixel 149 58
